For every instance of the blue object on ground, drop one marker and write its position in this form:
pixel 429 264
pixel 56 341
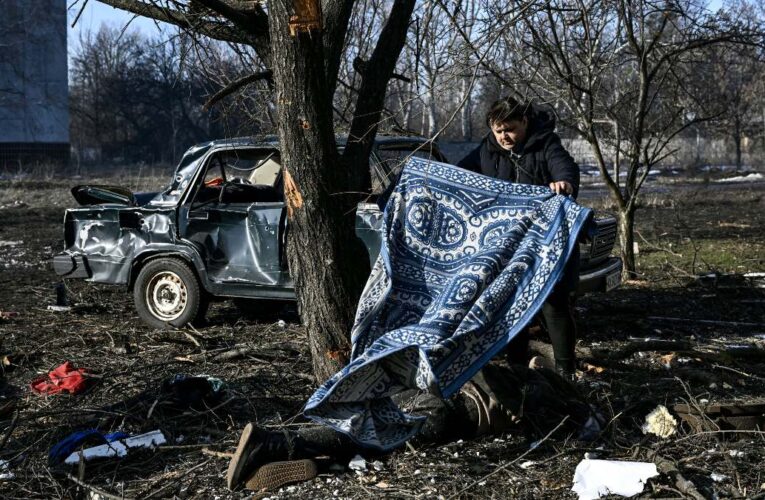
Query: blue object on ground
pixel 69 444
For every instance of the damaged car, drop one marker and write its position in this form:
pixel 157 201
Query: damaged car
pixel 218 230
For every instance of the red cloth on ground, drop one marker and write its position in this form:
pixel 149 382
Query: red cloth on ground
pixel 62 378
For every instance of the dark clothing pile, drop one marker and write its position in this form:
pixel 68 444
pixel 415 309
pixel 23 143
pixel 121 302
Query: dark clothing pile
pixel 540 160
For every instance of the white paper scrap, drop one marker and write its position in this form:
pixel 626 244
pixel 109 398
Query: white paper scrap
pixel 596 478
pixel 358 464
pixel 119 448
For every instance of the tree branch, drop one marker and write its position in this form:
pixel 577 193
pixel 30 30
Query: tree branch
pixel 237 85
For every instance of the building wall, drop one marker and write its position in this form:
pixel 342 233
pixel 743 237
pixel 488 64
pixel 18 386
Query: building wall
pixel 34 107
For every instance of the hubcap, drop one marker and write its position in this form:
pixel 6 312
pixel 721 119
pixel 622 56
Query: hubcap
pixel 166 296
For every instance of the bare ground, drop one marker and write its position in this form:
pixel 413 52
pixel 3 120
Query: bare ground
pixel 710 349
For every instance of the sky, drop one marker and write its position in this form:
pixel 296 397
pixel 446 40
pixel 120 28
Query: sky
pixel 96 13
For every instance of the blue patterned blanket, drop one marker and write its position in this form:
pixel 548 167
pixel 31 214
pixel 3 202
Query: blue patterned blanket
pixel 466 262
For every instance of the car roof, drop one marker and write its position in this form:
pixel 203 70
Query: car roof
pixel 271 141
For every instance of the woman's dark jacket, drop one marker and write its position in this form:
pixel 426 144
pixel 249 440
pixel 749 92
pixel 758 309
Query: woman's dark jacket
pixel 541 160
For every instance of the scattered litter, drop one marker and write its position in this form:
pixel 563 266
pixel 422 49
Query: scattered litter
pixel 59 308
pixel 190 391
pixel 596 478
pixel 736 453
pixel 378 466
pixel 5 471
pixel 7 243
pixel 63 378
pixel 718 478
pixel 667 359
pixel 527 464
pixel 358 464
pixel 69 444
pixel 660 423
pixel 593 368
pixel 119 448
pixel 6 315
pixel 281 323
pixel 382 485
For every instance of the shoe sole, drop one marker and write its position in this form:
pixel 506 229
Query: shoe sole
pixel 237 463
pixel 277 474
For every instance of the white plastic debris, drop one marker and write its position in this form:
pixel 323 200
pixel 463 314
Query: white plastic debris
pixel 377 465
pixel 527 464
pixel 717 477
pixel 660 423
pixel 736 453
pixel 281 323
pixel 358 464
pixel 59 309
pixel 119 448
pixel 5 471
pixel 596 478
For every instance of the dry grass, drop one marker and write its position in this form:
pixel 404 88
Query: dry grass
pixel 270 381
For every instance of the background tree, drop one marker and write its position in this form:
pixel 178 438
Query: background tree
pixel 616 72
pixel 300 45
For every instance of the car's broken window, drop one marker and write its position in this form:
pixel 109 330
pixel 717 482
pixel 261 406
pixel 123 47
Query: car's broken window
pixel 241 176
pixel 390 160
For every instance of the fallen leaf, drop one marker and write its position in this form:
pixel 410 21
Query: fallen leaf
pixel 593 368
pixel 667 359
pixel 382 484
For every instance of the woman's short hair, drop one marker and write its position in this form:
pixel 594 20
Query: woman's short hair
pixel 507 109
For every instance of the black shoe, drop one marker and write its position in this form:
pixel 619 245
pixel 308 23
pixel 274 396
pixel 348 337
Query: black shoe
pixel 256 447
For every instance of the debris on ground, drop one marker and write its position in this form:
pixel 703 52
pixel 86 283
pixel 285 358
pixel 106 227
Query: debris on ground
pixel 193 391
pixel 660 423
pixel 5 471
pixel 69 444
pixel 596 478
pixel 118 447
pixel 267 370
pixel 6 315
pixel 358 464
pixel 57 308
pixel 64 378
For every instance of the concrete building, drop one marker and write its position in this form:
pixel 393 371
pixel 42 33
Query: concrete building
pixel 34 107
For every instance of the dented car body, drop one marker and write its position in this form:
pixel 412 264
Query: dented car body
pixel 218 230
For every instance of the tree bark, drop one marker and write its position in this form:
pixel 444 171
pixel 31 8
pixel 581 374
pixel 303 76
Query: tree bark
pixel 320 233
pixel 626 218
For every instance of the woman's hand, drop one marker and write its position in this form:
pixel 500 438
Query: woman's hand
pixel 561 187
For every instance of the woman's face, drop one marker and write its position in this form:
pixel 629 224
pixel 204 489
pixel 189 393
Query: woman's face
pixel 509 134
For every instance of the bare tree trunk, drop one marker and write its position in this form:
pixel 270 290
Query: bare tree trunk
pixel 626 219
pixel 320 266
pixel 737 141
pixel 465 115
pixel 431 112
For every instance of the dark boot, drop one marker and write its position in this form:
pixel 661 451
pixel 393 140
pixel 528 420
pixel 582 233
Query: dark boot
pixel 256 447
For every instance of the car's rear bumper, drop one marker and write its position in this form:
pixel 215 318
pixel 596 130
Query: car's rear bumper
pixel 603 278
pixel 71 266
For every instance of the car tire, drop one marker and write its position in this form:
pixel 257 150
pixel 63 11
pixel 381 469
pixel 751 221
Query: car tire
pixel 167 294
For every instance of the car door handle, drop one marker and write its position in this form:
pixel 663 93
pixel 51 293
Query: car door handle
pixel 199 215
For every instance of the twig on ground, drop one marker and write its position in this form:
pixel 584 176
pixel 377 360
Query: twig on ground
pixel 511 462
pixel 95 490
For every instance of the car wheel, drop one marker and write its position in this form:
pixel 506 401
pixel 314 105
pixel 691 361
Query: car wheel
pixel 167 293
